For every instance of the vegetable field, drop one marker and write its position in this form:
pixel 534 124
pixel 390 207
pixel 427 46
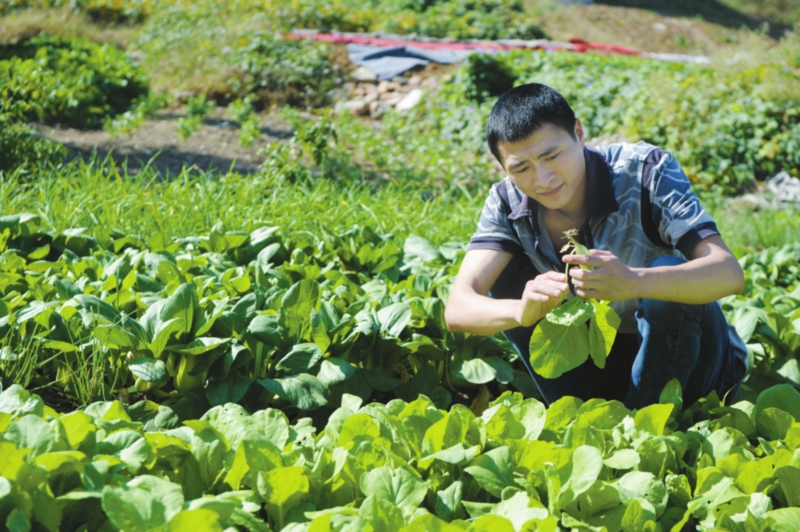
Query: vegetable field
pixel 216 351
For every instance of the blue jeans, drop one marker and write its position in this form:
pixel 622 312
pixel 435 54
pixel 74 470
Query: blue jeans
pixel 675 340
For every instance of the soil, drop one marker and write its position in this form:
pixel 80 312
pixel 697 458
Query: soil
pixel 215 146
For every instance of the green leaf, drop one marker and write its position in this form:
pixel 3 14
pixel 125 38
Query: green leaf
pixel 417 248
pixel 398 486
pixel 783 397
pixel 335 370
pixel 304 391
pixel 230 390
pixel 653 418
pixel 296 307
pixel 789 481
pixel 519 509
pixel 132 509
pixel 493 470
pixel 672 393
pixel 587 462
pixel 575 311
pixel 532 415
pixel 773 424
pixel 448 501
pixel 198 346
pixel 480 371
pixel 301 358
pixel 266 328
pixel 636 517
pixel 561 413
pixel 623 459
pixel 149 369
pixel 786 519
pixel 602 332
pixel 556 349
pixel 282 489
pixel 194 521
pixel 394 319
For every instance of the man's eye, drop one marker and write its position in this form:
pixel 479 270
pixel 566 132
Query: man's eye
pixel 553 156
pixel 523 169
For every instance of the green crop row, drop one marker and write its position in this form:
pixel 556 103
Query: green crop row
pixel 406 465
pixel 236 316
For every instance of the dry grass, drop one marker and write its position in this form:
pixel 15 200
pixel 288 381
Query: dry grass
pixel 63 23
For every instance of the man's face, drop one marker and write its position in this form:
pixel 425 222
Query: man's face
pixel 548 166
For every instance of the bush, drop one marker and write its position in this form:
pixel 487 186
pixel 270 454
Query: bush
pixel 20 148
pixel 721 125
pixel 463 19
pixel 279 71
pixel 113 11
pixel 69 81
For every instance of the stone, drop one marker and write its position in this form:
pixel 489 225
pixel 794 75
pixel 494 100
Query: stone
pixel 371 97
pixel 402 80
pixel 356 107
pixel 415 81
pixel 785 188
pixel 363 74
pixel 409 100
pixel 383 86
pixel 378 108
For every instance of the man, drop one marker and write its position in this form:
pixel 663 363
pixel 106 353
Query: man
pixel 635 211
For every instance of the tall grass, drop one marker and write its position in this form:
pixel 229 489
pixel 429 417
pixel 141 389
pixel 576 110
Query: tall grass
pixel 91 194
pixel 95 193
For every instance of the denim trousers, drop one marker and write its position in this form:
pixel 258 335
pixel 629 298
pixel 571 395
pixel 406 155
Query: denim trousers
pixel 674 340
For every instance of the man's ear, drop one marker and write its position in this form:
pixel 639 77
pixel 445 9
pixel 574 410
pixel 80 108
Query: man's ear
pixel 579 131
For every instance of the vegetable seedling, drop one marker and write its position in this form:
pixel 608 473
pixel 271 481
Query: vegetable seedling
pixel 573 331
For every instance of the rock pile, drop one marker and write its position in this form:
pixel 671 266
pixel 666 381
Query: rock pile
pixel 373 97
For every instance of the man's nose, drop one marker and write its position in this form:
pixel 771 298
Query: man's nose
pixel 544 175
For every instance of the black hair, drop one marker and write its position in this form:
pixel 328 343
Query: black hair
pixel 522 110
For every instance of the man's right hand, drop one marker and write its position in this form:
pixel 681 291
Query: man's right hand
pixel 470 310
pixel 541 295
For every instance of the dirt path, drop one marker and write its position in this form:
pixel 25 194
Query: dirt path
pixel 214 146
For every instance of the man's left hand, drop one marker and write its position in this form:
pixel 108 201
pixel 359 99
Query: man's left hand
pixel 610 279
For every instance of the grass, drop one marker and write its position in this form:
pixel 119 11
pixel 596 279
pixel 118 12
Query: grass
pixel 95 194
pixel 65 23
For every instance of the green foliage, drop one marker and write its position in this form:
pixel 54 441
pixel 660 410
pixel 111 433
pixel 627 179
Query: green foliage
pixel 72 82
pixel 285 71
pixel 21 148
pixel 241 112
pixel 111 11
pixel 562 341
pixel 726 127
pixel 196 108
pixel 463 19
pixel 404 465
pixel 228 314
pixel 141 109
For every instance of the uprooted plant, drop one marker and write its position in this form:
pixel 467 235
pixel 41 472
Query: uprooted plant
pixel 573 331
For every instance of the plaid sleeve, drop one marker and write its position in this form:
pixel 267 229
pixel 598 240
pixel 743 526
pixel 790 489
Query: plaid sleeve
pixel 494 230
pixel 682 222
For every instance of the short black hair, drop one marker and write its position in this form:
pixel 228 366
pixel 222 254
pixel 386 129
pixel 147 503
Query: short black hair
pixel 522 110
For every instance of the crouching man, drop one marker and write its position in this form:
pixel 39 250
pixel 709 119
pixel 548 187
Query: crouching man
pixel 655 254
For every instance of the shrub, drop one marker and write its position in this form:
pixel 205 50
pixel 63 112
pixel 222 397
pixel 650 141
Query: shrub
pixel 70 81
pixel 21 148
pixel 721 125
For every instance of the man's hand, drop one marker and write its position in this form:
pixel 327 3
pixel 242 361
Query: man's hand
pixel 541 295
pixel 610 279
